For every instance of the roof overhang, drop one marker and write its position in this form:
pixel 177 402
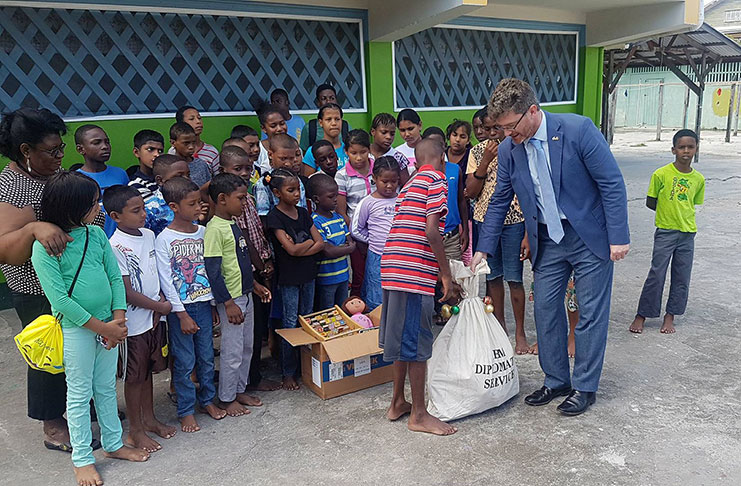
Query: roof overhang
pixel 643 18
pixel 680 49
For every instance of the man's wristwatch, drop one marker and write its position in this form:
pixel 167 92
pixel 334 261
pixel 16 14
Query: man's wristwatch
pixel 481 178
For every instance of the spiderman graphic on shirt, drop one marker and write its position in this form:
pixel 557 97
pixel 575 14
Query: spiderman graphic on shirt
pixel 188 266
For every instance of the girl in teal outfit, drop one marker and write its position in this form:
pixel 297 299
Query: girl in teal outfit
pixel 92 318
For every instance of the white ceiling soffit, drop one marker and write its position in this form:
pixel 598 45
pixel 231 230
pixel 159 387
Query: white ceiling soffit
pixel 642 21
pixel 641 18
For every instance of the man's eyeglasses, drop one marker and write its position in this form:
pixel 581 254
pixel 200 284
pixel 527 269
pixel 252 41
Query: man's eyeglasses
pixel 512 127
pixel 54 152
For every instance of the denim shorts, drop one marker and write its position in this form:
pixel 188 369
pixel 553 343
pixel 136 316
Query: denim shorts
pixel 505 261
pixel 405 333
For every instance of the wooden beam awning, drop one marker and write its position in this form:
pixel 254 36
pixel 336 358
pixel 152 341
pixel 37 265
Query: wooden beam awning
pixel 701 49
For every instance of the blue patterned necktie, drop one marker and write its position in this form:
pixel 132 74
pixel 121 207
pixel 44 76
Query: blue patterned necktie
pixel 550 213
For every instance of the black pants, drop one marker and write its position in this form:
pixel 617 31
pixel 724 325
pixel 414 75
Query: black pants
pixel 262 315
pixel 47 393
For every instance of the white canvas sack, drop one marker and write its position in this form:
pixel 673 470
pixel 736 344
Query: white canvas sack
pixel 472 368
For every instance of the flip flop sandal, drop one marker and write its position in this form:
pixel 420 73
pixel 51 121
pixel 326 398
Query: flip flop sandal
pixel 67 447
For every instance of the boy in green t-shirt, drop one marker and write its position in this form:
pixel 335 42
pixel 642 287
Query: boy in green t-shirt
pixel 229 270
pixel 674 191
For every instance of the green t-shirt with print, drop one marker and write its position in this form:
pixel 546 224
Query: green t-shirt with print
pixel 677 193
pixel 224 243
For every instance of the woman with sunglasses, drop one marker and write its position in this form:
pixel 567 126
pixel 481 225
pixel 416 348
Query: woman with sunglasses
pixel 31 140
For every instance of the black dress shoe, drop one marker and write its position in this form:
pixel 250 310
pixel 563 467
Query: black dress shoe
pixel 577 403
pixel 545 395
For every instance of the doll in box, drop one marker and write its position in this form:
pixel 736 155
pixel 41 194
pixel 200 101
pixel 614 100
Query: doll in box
pixel 354 307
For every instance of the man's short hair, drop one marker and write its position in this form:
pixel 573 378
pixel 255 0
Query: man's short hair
pixel 511 95
pixel 282 141
pixel 177 188
pixel 224 184
pixel 144 136
pixel 324 87
pixel 231 154
pixel 320 183
pixel 241 131
pixel 279 92
pixel 82 131
pixel 163 162
pixel 319 144
pixel 115 198
pixel 180 128
pixel 685 132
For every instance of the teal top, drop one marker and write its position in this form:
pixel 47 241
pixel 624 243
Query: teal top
pixel 99 289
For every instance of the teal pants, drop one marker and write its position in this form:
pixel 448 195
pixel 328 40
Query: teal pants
pixel 91 373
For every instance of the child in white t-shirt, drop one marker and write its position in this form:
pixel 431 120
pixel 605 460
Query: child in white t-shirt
pixel 145 349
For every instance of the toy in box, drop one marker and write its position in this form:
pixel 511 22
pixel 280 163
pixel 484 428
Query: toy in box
pixel 329 324
pixel 332 367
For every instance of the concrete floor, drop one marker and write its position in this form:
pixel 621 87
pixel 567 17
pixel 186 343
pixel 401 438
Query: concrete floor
pixel 668 411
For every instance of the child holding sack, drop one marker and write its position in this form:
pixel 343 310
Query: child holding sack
pixel 412 259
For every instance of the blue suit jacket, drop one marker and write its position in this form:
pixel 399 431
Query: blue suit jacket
pixel 586 179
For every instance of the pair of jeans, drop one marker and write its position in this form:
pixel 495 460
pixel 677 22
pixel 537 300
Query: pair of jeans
pixel 593 283
pixel 262 316
pixel 47 393
pixel 332 294
pixel 191 351
pixel 90 369
pixel 297 299
pixel 372 294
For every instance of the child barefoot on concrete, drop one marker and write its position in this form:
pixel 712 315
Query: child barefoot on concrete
pixel 133 246
pixel 182 270
pixel 674 192
pixel 229 270
pixel 413 257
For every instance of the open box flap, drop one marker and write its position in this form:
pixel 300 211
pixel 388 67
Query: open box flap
pixel 375 316
pixel 297 336
pixel 351 347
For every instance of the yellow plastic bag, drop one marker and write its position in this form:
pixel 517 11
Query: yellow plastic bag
pixel 41 344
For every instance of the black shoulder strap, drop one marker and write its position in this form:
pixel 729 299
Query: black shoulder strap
pixel 345 130
pixel 82 260
pixel 312 132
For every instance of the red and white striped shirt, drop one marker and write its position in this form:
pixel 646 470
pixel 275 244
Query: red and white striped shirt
pixel 208 154
pixel 408 263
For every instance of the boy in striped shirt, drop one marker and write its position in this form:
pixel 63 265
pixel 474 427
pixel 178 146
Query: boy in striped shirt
pixel 334 275
pixel 413 257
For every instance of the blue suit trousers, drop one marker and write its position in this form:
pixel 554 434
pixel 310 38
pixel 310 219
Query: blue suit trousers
pixel 593 281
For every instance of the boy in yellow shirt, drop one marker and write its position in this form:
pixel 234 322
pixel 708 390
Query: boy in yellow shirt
pixel 674 191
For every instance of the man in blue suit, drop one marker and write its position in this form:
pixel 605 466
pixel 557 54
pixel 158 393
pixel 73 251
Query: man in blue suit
pixel 573 197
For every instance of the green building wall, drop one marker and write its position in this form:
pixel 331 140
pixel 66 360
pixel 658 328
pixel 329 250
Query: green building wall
pixel 379 74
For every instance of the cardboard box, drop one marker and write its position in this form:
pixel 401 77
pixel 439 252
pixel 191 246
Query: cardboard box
pixel 340 366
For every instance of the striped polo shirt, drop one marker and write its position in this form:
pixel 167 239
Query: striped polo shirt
pixel 408 263
pixel 354 185
pixel 333 230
